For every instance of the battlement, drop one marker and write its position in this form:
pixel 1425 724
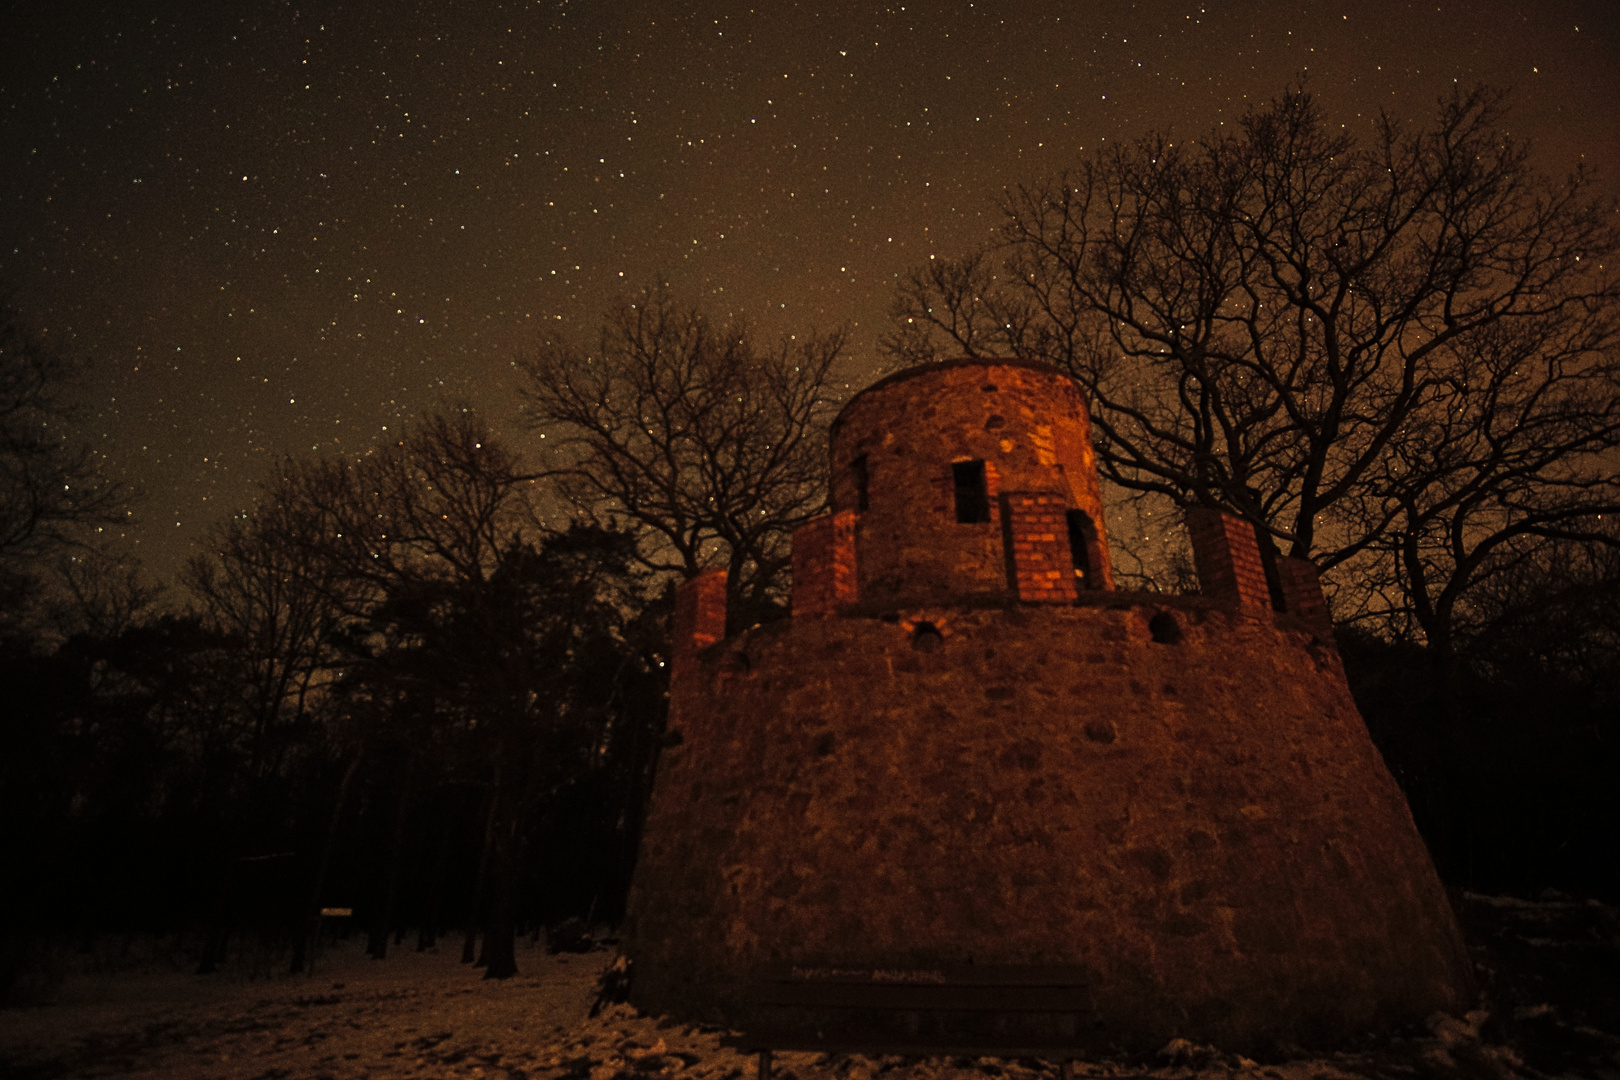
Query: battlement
pixel 967 747
pixel 974 481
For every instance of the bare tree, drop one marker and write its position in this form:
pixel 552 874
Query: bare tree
pixel 49 488
pixel 711 447
pixel 474 643
pixel 1404 348
pixel 265 590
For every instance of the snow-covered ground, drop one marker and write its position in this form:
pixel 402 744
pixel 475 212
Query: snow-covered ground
pixel 427 1015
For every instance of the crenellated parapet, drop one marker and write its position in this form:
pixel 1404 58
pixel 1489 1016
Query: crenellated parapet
pixel 965 748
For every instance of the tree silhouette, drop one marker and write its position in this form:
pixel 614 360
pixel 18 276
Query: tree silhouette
pixel 49 488
pixel 1402 351
pixel 711 447
pixel 475 649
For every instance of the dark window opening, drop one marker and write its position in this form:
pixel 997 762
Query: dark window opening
pixel 858 467
pixel 1164 629
pixel 972 492
pixel 1082 539
pixel 925 637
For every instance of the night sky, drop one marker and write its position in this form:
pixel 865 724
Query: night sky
pixel 279 228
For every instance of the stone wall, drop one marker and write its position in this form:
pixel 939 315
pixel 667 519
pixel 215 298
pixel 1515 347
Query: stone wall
pixel 699 622
pixel 1028 423
pixel 1204 825
pixel 1302 596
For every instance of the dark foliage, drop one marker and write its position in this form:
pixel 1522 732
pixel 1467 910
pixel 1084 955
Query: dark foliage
pixel 399 696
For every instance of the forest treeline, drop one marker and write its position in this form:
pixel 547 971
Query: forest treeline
pixel 428 683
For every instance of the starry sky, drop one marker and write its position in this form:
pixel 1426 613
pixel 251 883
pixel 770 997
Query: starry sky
pixel 281 228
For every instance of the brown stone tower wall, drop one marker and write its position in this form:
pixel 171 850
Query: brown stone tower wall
pixel 1204 825
pixel 951 755
pixel 1302 596
pixel 1028 423
pixel 824 565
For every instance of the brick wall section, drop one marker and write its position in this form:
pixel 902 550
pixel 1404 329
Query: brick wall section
pixel 1036 532
pixel 700 619
pixel 1302 595
pixel 824 565
pixel 1227 559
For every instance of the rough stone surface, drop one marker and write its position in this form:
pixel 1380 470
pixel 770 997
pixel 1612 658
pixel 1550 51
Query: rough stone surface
pixel 700 620
pixel 975 762
pixel 1302 595
pixel 1027 423
pixel 1205 825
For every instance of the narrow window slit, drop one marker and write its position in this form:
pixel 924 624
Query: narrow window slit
pixel 972 492
pixel 1082 539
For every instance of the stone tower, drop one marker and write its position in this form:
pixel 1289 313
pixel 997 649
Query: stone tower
pixel 966 747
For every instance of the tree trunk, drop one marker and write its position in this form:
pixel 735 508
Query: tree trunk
pixel 500 935
pixel 383 924
pixel 427 935
pixel 467 945
pixel 311 923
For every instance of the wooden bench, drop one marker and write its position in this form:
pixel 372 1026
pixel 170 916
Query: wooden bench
pixel 973 1009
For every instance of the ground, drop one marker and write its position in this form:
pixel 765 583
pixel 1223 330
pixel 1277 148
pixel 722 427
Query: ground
pixel 1549 968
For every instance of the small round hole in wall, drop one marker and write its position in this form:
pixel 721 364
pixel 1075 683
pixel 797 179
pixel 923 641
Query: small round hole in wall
pixel 1164 629
pixel 925 637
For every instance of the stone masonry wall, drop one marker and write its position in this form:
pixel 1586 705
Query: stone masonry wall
pixel 1202 825
pixel 1027 422
pixel 1036 536
pixel 824 565
pixel 700 620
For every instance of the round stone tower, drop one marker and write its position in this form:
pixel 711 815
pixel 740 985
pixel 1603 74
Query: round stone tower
pixel 937 460
pixel 965 748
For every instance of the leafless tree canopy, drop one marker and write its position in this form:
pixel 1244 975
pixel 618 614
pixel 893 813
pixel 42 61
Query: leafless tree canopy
pixel 712 446
pixel 48 488
pixel 1403 348
pixel 444 502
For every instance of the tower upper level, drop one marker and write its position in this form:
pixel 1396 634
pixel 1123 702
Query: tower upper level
pixel 969 478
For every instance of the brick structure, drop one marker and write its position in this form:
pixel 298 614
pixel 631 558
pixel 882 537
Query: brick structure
pixel 966 766
pixel 1302 596
pixel 1035 530
pixel 824 565
pixel 906 446
pixel 1227 559
pixel 700 618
